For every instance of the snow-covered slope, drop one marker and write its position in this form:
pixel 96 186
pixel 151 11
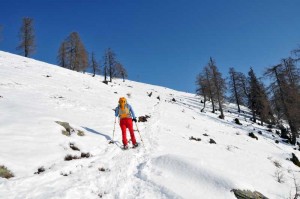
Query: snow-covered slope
pixel 169 165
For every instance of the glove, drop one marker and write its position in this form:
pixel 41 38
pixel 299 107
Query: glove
pixel 134 119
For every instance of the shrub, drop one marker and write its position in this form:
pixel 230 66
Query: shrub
pixel 5 173
pixel 80 133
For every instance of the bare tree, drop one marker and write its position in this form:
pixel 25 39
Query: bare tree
pixel 94 64
pixel 286 94
pixel 219 85
pixel 202 88
pixel 72 53
pixel 27 37
pixel 120 71
pixel 211 92
pixel 236 83
pixel 62 57
pixel 258 100
pixel 109 64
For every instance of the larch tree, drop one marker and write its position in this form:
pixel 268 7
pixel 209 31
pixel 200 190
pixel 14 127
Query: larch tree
pixel 109 64
pixel 258 100
pixel 72 53
pixel 95 65
pixel 62 57
pixel 202 88
pixel 27 37
pixel 286 93
pixel 120 71
pixel 210 89
pixel 236 87
pixel 218 84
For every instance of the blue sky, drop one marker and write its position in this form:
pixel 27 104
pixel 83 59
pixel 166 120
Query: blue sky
pixel 163 42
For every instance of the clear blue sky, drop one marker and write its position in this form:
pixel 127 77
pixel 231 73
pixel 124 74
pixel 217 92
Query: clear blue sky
pixel 163 42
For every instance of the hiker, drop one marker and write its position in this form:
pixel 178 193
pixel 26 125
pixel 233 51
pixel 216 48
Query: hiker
pixel 126 115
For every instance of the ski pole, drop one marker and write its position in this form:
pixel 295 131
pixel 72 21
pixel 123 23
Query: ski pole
pixel 139 134
pixel 112 141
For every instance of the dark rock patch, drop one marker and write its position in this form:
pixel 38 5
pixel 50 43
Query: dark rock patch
pixel 211 141
pixel 246 194
pixel 40 170
pixel 295 160
pixel 143 118
pixel 193 138
pixel 73 147
pixel 253 136
pixel 237 121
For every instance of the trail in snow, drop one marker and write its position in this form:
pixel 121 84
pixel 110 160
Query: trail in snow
pixel 169 166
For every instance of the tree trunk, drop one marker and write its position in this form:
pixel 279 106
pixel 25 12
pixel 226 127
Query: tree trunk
pixel 235 93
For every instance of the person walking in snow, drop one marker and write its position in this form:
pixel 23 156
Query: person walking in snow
pixel 126 114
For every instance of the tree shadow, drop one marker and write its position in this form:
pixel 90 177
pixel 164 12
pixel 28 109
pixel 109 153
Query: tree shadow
pixel 98 133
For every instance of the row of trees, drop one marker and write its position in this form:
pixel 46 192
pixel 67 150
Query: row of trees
pixel 278 102
pixel 72 53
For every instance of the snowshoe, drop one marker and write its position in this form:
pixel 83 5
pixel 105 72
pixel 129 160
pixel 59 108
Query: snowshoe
pixel 135 145
pixel 125 147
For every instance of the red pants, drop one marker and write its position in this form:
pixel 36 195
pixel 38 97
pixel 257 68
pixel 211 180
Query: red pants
pixel 124 124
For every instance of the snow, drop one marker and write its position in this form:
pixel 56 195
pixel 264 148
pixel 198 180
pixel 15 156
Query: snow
pixel 35 95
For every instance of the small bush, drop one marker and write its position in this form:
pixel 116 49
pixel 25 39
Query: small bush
pixel 277 164
pixel 279 176
pixel 66 133
pixel 80 133
pixel 5 173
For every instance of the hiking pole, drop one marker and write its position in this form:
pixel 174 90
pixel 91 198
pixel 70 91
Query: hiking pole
pixel 139 133
pixel 112 141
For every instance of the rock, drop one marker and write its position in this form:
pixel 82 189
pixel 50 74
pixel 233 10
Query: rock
pixel 211 141
pixel 253 136
pixel 193 138
pixel 237 121
pixel 85 155
pixel 295 160
pixel 40 170
pixel 246 194
pixel 173 100
pixel 67 127
pixel 143 118
pixel 73 147
pixel 276 141
pixel 259 132
pixel 205 134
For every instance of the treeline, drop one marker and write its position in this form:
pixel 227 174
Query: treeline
pixel 276 104
pixel 72 53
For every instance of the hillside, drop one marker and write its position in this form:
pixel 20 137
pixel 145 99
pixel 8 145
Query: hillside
pixel 34 95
